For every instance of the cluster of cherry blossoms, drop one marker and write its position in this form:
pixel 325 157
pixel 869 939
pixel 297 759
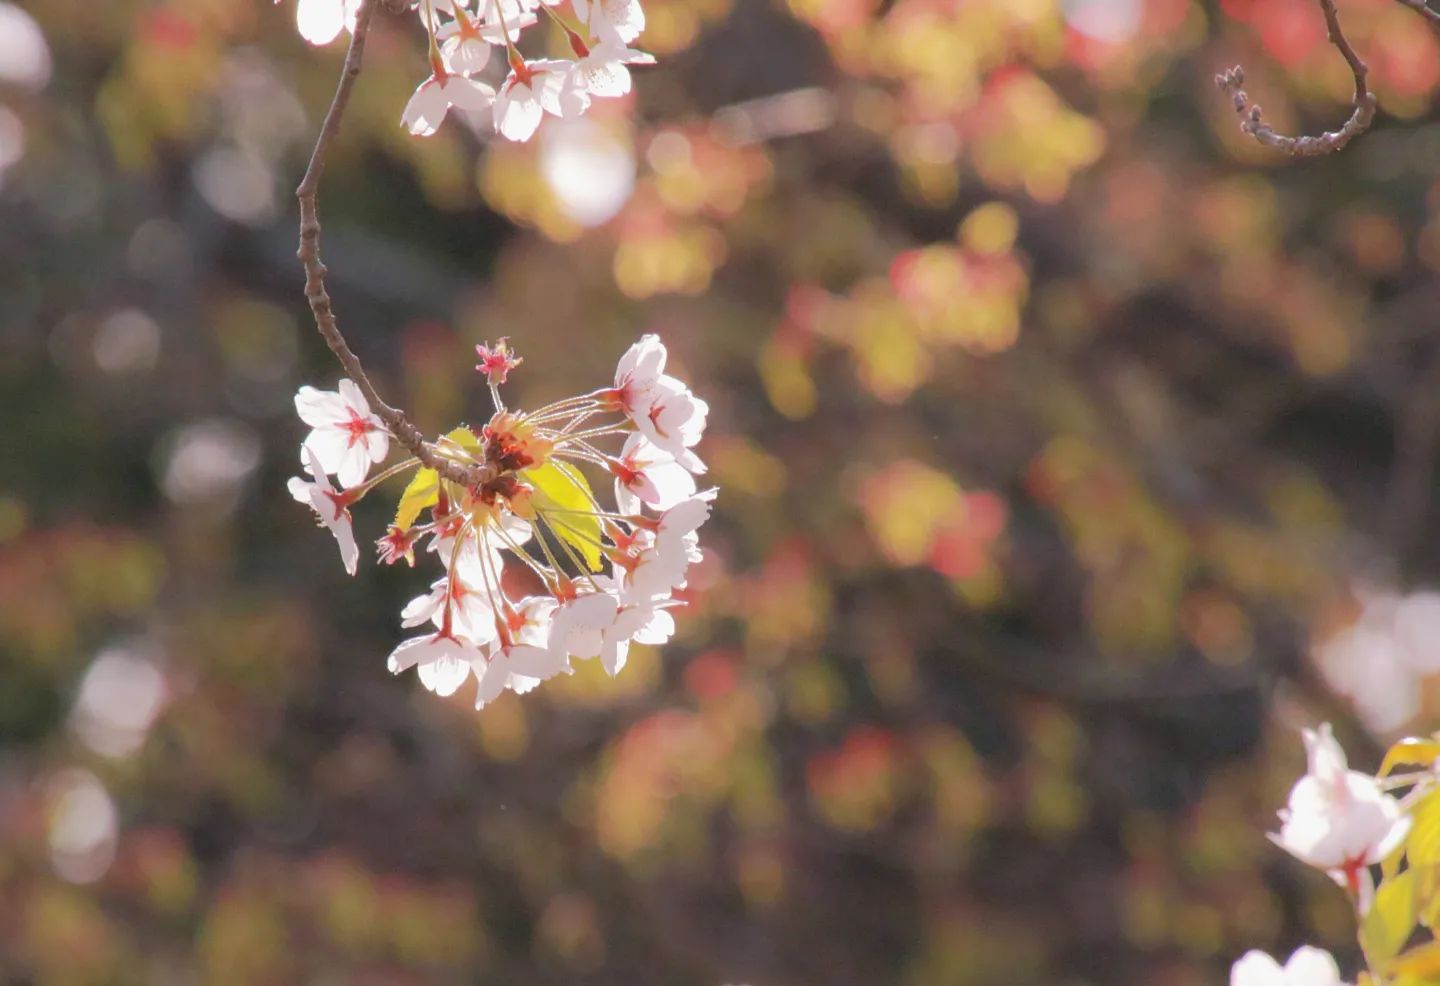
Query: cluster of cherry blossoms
pixel 534 571
pixel 1340 821
pixel 462 36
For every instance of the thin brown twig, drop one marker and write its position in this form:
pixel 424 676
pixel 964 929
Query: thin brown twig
pixel 1362 113
pixel 395 419
pixel 1421 8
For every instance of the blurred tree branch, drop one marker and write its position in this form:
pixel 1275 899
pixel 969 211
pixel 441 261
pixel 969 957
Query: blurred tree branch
pixel 1421 8
pixel 319 298
pixel 1362 113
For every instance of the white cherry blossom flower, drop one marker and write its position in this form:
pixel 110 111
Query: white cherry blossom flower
pixel 522 657
pixel 1339 820
pixel 465 50
pixel 1308 966
pixel 649 475
pixel 345 436
pixel 687 517
pixel 433 98
pixel 1378 661
pixel 636 374
pixel 674 420
pixel 472 623
pixel 471 609
pixel 332 506
pixel 620 20
pixel 442 660
pixel 601 72
pixel 532 89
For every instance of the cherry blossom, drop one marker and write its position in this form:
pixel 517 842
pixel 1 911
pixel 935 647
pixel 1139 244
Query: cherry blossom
pixel 1378 660
pixel 1307 966
pixel 433 98
pixel 601 72
pixel 1339 820
pixel 496 363
pixel 461 34
pixel 646 474
pixel 330 505
pixel 532 89
pixel 593 578
pixel 442 660
pixel 345 436
pixel 636 375
pixel 465 43
pixel 524 653
pixel 620 20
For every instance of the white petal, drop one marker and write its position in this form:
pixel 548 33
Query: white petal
pixel 517 113
pixel 469 94
pixel 422 608
pixel 536 662
pixel 445 675
pixel 318 408
pixel 426 109
pixel 355 399
pixel 354 465
pixel 330 446
pixel 659 629
pixel 1255 968
pixel 492 682
pixel 1310 966
pixel 345 537
pixel 407 654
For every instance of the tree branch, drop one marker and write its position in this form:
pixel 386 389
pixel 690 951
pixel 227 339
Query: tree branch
pixel 308 253
pixel 1362 113
pixel 1420 7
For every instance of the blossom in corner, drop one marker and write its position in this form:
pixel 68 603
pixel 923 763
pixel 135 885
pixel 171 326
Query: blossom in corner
pixel 1308 966
pixel 332 506
pixel 1339 820
pixel 345 436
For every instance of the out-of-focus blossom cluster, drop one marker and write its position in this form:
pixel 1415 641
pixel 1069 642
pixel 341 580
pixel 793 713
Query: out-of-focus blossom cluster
pixel 462 37
pixel 583 579
pixel 1379 658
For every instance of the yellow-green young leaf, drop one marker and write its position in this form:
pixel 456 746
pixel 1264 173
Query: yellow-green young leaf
pixel 1420 965
pixel 1418 752
pixel 423 491
pixel 463 437
pixel 1390 865
pixel 563 497
pixel 1422 845
pixel 1391 919
pixel 1427 893
pixel 424 488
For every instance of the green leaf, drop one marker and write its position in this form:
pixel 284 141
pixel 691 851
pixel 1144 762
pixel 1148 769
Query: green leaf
pixel 1416 752
pixel 1423 843
pixel 563 497
pixel 423 491
pixel 1391 919
pixel 424 487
